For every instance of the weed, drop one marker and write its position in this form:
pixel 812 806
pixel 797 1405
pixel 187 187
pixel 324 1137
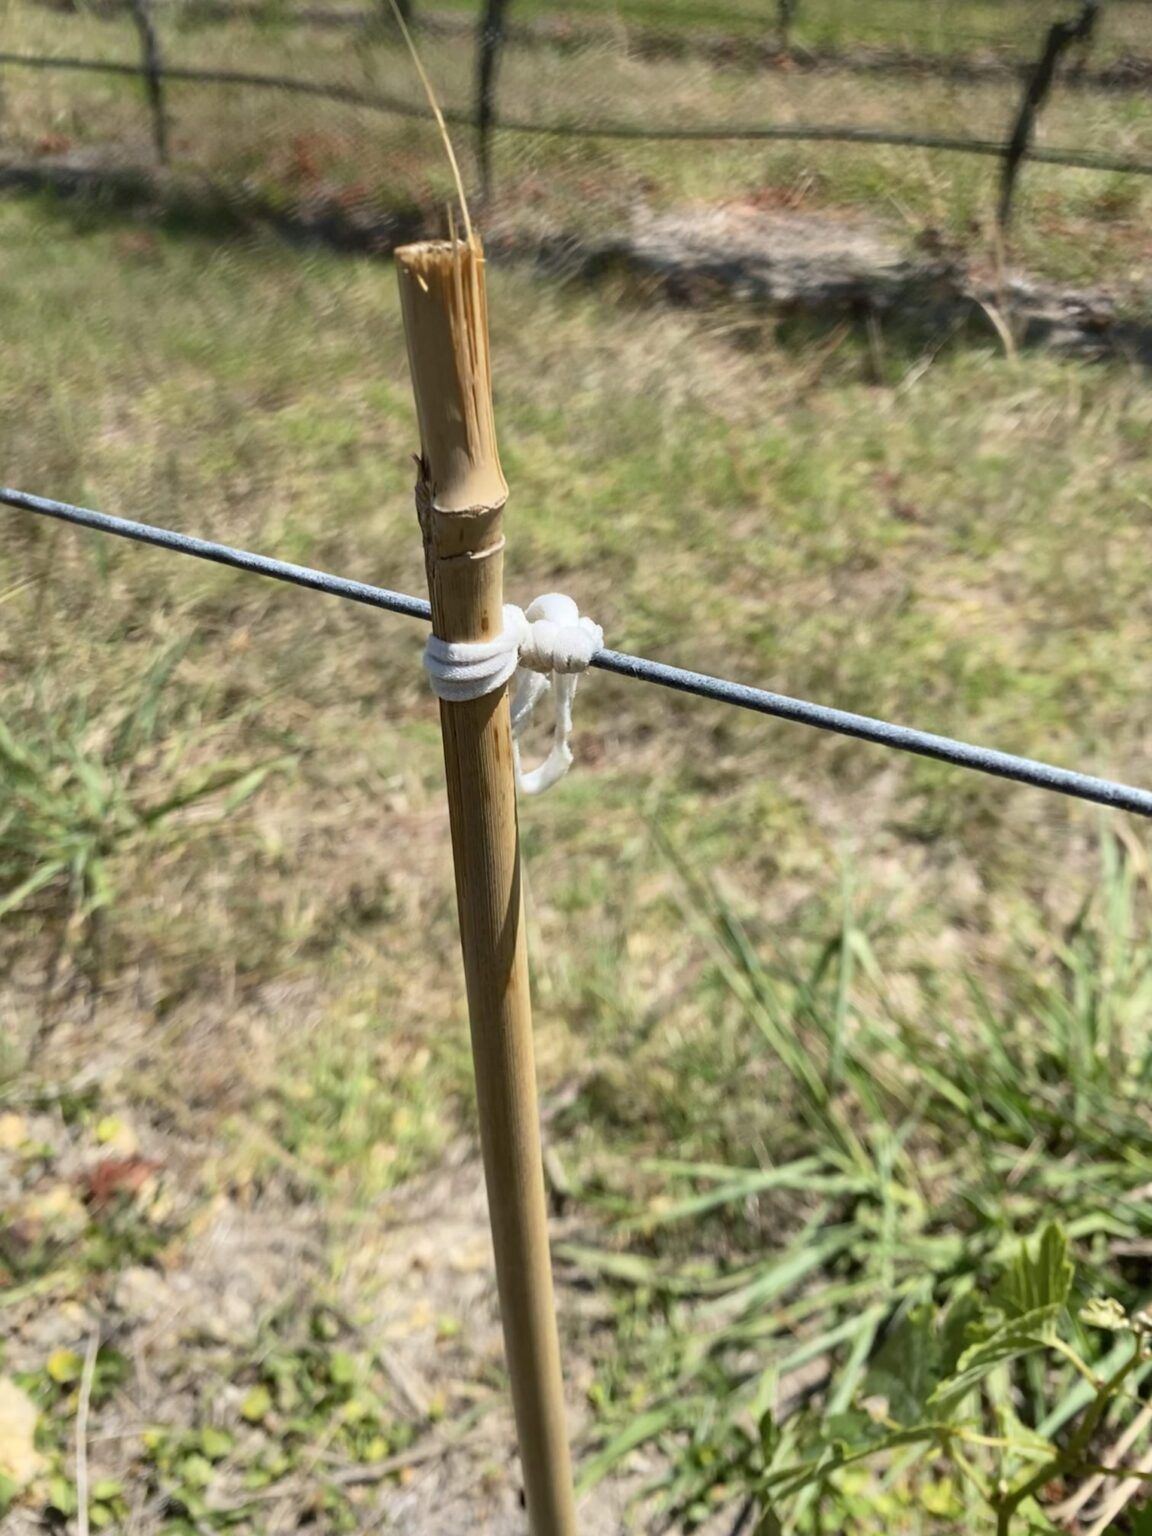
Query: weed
pixel 83 790
pixel 924 1152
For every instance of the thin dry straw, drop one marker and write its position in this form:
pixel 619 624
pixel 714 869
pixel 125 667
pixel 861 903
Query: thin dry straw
pixel 434 104
pixel 814 133
pixel 902 738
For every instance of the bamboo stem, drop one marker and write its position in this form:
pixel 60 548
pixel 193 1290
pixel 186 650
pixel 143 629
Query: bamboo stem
pixel 460 496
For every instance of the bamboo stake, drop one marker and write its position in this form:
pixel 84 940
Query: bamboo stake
pixel 460 495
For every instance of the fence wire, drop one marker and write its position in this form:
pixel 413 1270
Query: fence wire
pixel 821 717
pixel 808 133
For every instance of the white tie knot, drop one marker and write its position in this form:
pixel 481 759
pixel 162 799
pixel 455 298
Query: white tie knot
pixel 549 645
pixel 558 638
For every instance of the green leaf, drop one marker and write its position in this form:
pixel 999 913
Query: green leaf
pixel 242 782
pixel 61 1495
pixel 138 723
pixel 767 1525
pixel 813 1250
pixel 196 1471
pixel 850 1432
pixel 341 1368
pixel 964 1324
pixel 111 1372
pixel 769 1435
pixel 215 1443
pixel 64 1366
pixel 1042 1279
pixel 257 1404
pixel 849 1374
pixel 646 1427
pixel 9 1491
pixel 788 1481
pixel 36 881
pixel 809 1174
pixel 906 1367
pixel 1022 1336
pixel 246 786
pixel 628 1268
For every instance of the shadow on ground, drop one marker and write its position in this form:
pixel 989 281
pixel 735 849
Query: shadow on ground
pixel 800 267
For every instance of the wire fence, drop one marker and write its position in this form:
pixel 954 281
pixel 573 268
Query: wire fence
pixel 821 717
pixel 494 31
pixel 971 55
pixel 817 133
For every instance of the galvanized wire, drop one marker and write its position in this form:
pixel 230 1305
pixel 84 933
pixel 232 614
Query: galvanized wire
pixel 901 738
pixel 220 554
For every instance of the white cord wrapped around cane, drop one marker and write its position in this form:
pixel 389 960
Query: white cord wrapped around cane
pixel 547 646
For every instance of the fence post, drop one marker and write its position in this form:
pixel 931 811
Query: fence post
pixel 491 41
pixel 785 16
pixel 153 75
pixel 460 495
pixel 1060 38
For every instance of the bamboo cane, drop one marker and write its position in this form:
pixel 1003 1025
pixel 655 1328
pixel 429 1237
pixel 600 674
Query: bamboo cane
pixel 460 496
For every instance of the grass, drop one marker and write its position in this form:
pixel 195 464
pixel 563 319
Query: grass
pixel 916 1142
pixel 823 1034
pixel 919 25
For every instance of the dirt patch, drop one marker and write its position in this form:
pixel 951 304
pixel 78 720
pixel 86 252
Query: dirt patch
pixel 231 1282
pixel 826 266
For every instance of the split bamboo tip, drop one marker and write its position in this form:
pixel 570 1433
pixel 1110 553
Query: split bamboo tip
pixel 445 308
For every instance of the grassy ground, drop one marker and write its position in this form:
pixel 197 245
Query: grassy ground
pixel 919 25
pixel 823 1034
pixel 271 979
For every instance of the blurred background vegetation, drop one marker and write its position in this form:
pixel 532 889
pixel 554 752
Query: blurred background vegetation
pixel 844 1057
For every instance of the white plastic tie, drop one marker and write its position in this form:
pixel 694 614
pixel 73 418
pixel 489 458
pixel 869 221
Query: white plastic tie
pixel 547 646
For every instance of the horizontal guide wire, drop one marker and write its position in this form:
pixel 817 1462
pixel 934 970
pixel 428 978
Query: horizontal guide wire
pixel 901 738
